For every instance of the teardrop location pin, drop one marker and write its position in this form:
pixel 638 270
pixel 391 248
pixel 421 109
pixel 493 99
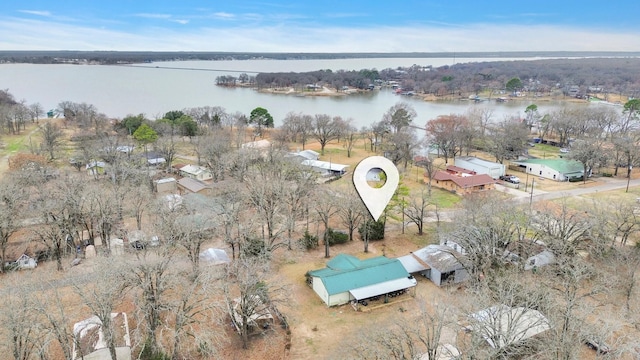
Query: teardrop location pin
pixel 376 199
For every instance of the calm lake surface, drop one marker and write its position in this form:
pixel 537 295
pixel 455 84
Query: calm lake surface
pixel 153 89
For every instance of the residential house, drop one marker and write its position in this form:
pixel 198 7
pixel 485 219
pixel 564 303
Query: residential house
pixel 462 181
pixel 347 278
pixel 196 172
pixel 480 166
pixel 554 169
pixel 440 263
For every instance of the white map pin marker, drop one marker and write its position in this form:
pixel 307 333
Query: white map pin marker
pixel 376 199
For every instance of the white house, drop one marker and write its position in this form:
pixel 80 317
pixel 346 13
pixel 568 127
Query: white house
pixel 480 166
pixel 196 172
pixel 554 169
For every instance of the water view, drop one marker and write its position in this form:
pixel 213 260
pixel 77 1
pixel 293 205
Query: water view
pixel 156 88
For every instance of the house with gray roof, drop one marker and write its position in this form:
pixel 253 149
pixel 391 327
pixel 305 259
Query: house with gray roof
pixel 554 169
pixel 347 278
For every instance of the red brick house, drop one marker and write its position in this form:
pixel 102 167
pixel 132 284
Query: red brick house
pixel 462 181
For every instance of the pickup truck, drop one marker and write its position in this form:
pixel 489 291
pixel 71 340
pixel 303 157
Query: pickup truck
pixel 510 178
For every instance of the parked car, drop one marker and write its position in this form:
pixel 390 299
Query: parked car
pixel 564 150
pixel 510 178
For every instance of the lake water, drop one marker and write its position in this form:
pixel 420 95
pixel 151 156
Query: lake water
pixel 121 90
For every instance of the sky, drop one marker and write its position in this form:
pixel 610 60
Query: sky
pixel 320 25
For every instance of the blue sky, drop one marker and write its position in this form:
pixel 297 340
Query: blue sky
pixel 320 26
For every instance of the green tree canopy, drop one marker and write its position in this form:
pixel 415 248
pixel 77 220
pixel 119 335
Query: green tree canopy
pixel 145 134
pixel 514 85
pixel 132 122
pixel 261 117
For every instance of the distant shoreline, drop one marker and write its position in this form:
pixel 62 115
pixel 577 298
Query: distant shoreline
pixel 136 57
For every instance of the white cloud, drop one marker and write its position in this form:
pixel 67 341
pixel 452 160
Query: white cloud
pixel 36 12
pixel 180 21
pixel 224 15
pixel 24 34
pixel 153 16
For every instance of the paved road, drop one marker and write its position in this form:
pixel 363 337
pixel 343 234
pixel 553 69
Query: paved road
pixel 608 184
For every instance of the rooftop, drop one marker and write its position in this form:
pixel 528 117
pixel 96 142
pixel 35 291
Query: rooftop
pixel 346 272
pixel 464 181
pixel 562 166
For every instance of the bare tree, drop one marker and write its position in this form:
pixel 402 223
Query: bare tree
pixel 12 196
pixel 150 278
pixel 416 335
pixel 326 206
pixel 327 129
pixel 103 296
pixel 351 209
pixel 195 317
pixel 249 295
pixel 51 138
pixel 20 327
pixel 416 209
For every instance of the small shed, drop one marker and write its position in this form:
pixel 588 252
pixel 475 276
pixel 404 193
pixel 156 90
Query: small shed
pixel 166 185
pixel 481 166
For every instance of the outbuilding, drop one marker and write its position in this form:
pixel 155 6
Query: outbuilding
pixel 554 169
pixel 481 166
pixel 347 278
pixel 440 263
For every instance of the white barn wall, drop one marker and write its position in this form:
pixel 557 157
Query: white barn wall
pixel 319 288
pixel 339 299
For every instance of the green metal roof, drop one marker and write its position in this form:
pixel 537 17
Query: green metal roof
pixel 563 166
pixel 346 272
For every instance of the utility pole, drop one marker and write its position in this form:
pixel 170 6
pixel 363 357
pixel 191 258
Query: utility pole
pixel 533 181
pixel 628 178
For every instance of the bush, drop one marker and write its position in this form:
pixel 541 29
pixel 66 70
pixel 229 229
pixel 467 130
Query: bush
pixel 336 237
pixel 604 174
pixel 374 230
pixel 308 241
pixel 254 247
